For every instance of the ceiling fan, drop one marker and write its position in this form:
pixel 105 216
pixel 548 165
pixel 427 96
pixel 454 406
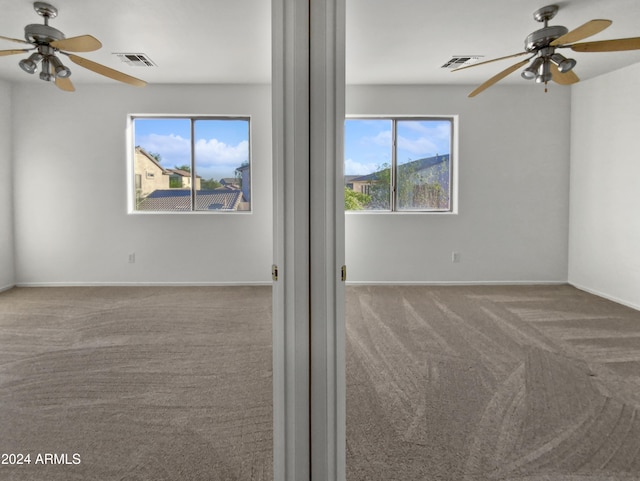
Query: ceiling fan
pixel 46 42
pixel 546 63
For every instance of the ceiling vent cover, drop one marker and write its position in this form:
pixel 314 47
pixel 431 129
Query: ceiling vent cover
pixel 136 59
pixel 460 60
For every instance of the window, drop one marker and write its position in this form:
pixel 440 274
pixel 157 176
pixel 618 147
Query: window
pixel 399 164
pixel 191 164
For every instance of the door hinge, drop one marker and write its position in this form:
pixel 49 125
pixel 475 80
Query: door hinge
pixel 343 273
pixel 274 272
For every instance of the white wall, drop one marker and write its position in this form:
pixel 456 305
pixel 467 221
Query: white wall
pixel 7 267
pixel 71 221
pixel 604 248
pixel 512 224
pixel 70 209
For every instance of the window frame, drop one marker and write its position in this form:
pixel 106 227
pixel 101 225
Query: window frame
pixel 131 174
pixel 393 193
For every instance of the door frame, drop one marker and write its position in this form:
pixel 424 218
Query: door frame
pixel 308 293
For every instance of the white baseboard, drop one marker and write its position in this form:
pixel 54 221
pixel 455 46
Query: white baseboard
pixel 349 283
pixel 456 283
pixel 142 284
pixel 606 296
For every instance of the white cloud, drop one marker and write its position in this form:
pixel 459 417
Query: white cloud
pixel 420 146
pixel 213 152
pixel 173 149
pixel 433 138
pixel 213 158
pixel 383 138
pixel 440 129
pixel 352 167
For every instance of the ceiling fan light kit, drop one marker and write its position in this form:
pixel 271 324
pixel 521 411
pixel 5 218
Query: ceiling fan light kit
pixel 60 70
pixel 532 71
pixel 547 64
pixel 30 65
pixel 564 64
pixel 48 41
pixel 544 74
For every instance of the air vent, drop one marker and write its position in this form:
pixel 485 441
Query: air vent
pixel 461 60
pixel 136 59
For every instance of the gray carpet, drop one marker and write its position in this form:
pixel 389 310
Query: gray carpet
pixel 491 383
pixel 143 383
pixel 443 383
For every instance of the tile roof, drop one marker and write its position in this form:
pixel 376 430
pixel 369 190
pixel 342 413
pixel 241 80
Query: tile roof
pixel 420 164
pixel 177 200
pixel 181 172
pixel 428 161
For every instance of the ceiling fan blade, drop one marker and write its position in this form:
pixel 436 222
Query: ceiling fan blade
pixel 566 78
pixel 14 40
pixel 4 53
pixel 82 43
pixel 106 71
pixel 489 61
pixel 583 31
pixel 65 84
pixel 498 77
pixel 615 45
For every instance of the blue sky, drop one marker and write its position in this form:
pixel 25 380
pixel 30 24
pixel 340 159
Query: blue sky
pixel 368 142
pixel 221 145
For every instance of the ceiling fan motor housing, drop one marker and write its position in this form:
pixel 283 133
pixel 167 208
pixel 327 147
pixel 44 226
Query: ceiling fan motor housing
pixel 543 37
pixel 42 34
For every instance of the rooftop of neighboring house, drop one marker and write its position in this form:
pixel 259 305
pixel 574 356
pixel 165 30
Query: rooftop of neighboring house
pixel 349 178
pixel 418 164
pixel 230 182
pixel 427 162
pixel 165 171
pixel 151 158
pixel 180 172
pixel 180 200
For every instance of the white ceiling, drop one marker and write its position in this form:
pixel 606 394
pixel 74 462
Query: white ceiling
pixel 388 41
